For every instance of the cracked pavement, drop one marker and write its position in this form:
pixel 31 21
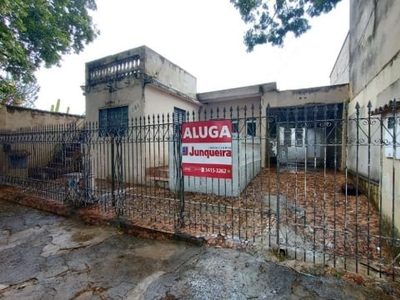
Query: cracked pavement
pixel 44 256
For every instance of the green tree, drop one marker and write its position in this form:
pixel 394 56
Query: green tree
pixel 35 33
pixel 271 20
pixel 19 93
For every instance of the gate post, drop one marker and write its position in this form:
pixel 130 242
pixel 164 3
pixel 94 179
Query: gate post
pixel 181 222
pixel 112 172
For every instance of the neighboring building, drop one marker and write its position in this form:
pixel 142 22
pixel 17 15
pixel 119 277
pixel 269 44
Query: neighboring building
pixel 371 58
pixel 15 117
pixel 341 71
pixel 285 109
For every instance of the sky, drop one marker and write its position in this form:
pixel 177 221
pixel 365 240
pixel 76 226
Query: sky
pixel 204 37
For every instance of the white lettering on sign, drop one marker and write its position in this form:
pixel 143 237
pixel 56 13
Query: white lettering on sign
pixel 205 131
pixel 210 153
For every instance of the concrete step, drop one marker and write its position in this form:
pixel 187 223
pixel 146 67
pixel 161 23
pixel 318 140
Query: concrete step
pixel 157 178
pixel 158 172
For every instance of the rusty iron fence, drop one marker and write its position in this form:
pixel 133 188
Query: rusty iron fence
pixel 318 183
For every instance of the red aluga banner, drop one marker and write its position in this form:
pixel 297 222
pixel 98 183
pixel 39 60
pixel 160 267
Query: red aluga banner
pixel 207 149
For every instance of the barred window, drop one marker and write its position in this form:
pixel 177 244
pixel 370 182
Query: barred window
pixel 392 134
pixel 251 127
pixel 287 137
pixel 235 126
pixel 299 137
pixel 113 121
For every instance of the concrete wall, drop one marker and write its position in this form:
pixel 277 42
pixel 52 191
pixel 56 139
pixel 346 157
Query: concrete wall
pixel 132 157
pixel 375 77
pixel 36 147
pixel 130 95
pixel 149 85
pixel 374 42
pixel 147 146
pixel 390 189
pixel 290 98
pixel 341 70
pixel 309 150
pixel 374 67
pixel 246 164
pixel 120 80
pixel 242 112
pixel 323 94
pixel 169 74
pixel 113 81
pixel 234 108
pixel 263 95
pixel 159 105
pixel 30 124
pixel 13 118
pixel 158 101
pixel 267 94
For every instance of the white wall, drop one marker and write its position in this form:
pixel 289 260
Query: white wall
pixel 128 79
pixel 375 72
pixel 159 101
pixel 309 150
pixel 246 164
pixel 341 70
pixel 375 77
pixel 168 73
pixel 374 39
pixel 323 94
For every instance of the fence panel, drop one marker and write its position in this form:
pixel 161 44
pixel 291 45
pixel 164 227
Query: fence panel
pixel 318 182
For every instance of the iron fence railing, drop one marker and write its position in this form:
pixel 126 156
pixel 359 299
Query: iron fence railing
pixel 317 182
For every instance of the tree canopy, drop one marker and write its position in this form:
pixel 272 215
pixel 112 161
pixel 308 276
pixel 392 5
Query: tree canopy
pixel 35 33
pixel 19 93
pixel 271 20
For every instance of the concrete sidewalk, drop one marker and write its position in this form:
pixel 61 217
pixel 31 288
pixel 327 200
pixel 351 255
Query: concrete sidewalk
pixel 44 256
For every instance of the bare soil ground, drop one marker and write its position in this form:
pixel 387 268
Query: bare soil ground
pixel 311 204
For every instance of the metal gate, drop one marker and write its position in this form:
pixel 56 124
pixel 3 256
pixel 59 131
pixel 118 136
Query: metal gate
pixel 323 187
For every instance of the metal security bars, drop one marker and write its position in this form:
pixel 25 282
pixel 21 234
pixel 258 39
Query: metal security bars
pixel 317 182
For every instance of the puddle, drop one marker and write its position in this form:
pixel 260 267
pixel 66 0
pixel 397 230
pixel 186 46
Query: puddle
pixel 82 236
pixel 157 251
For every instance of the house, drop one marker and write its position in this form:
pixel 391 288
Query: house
pixel 285 109
pixel 139 87
pixel 370 61
pixel 140 82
